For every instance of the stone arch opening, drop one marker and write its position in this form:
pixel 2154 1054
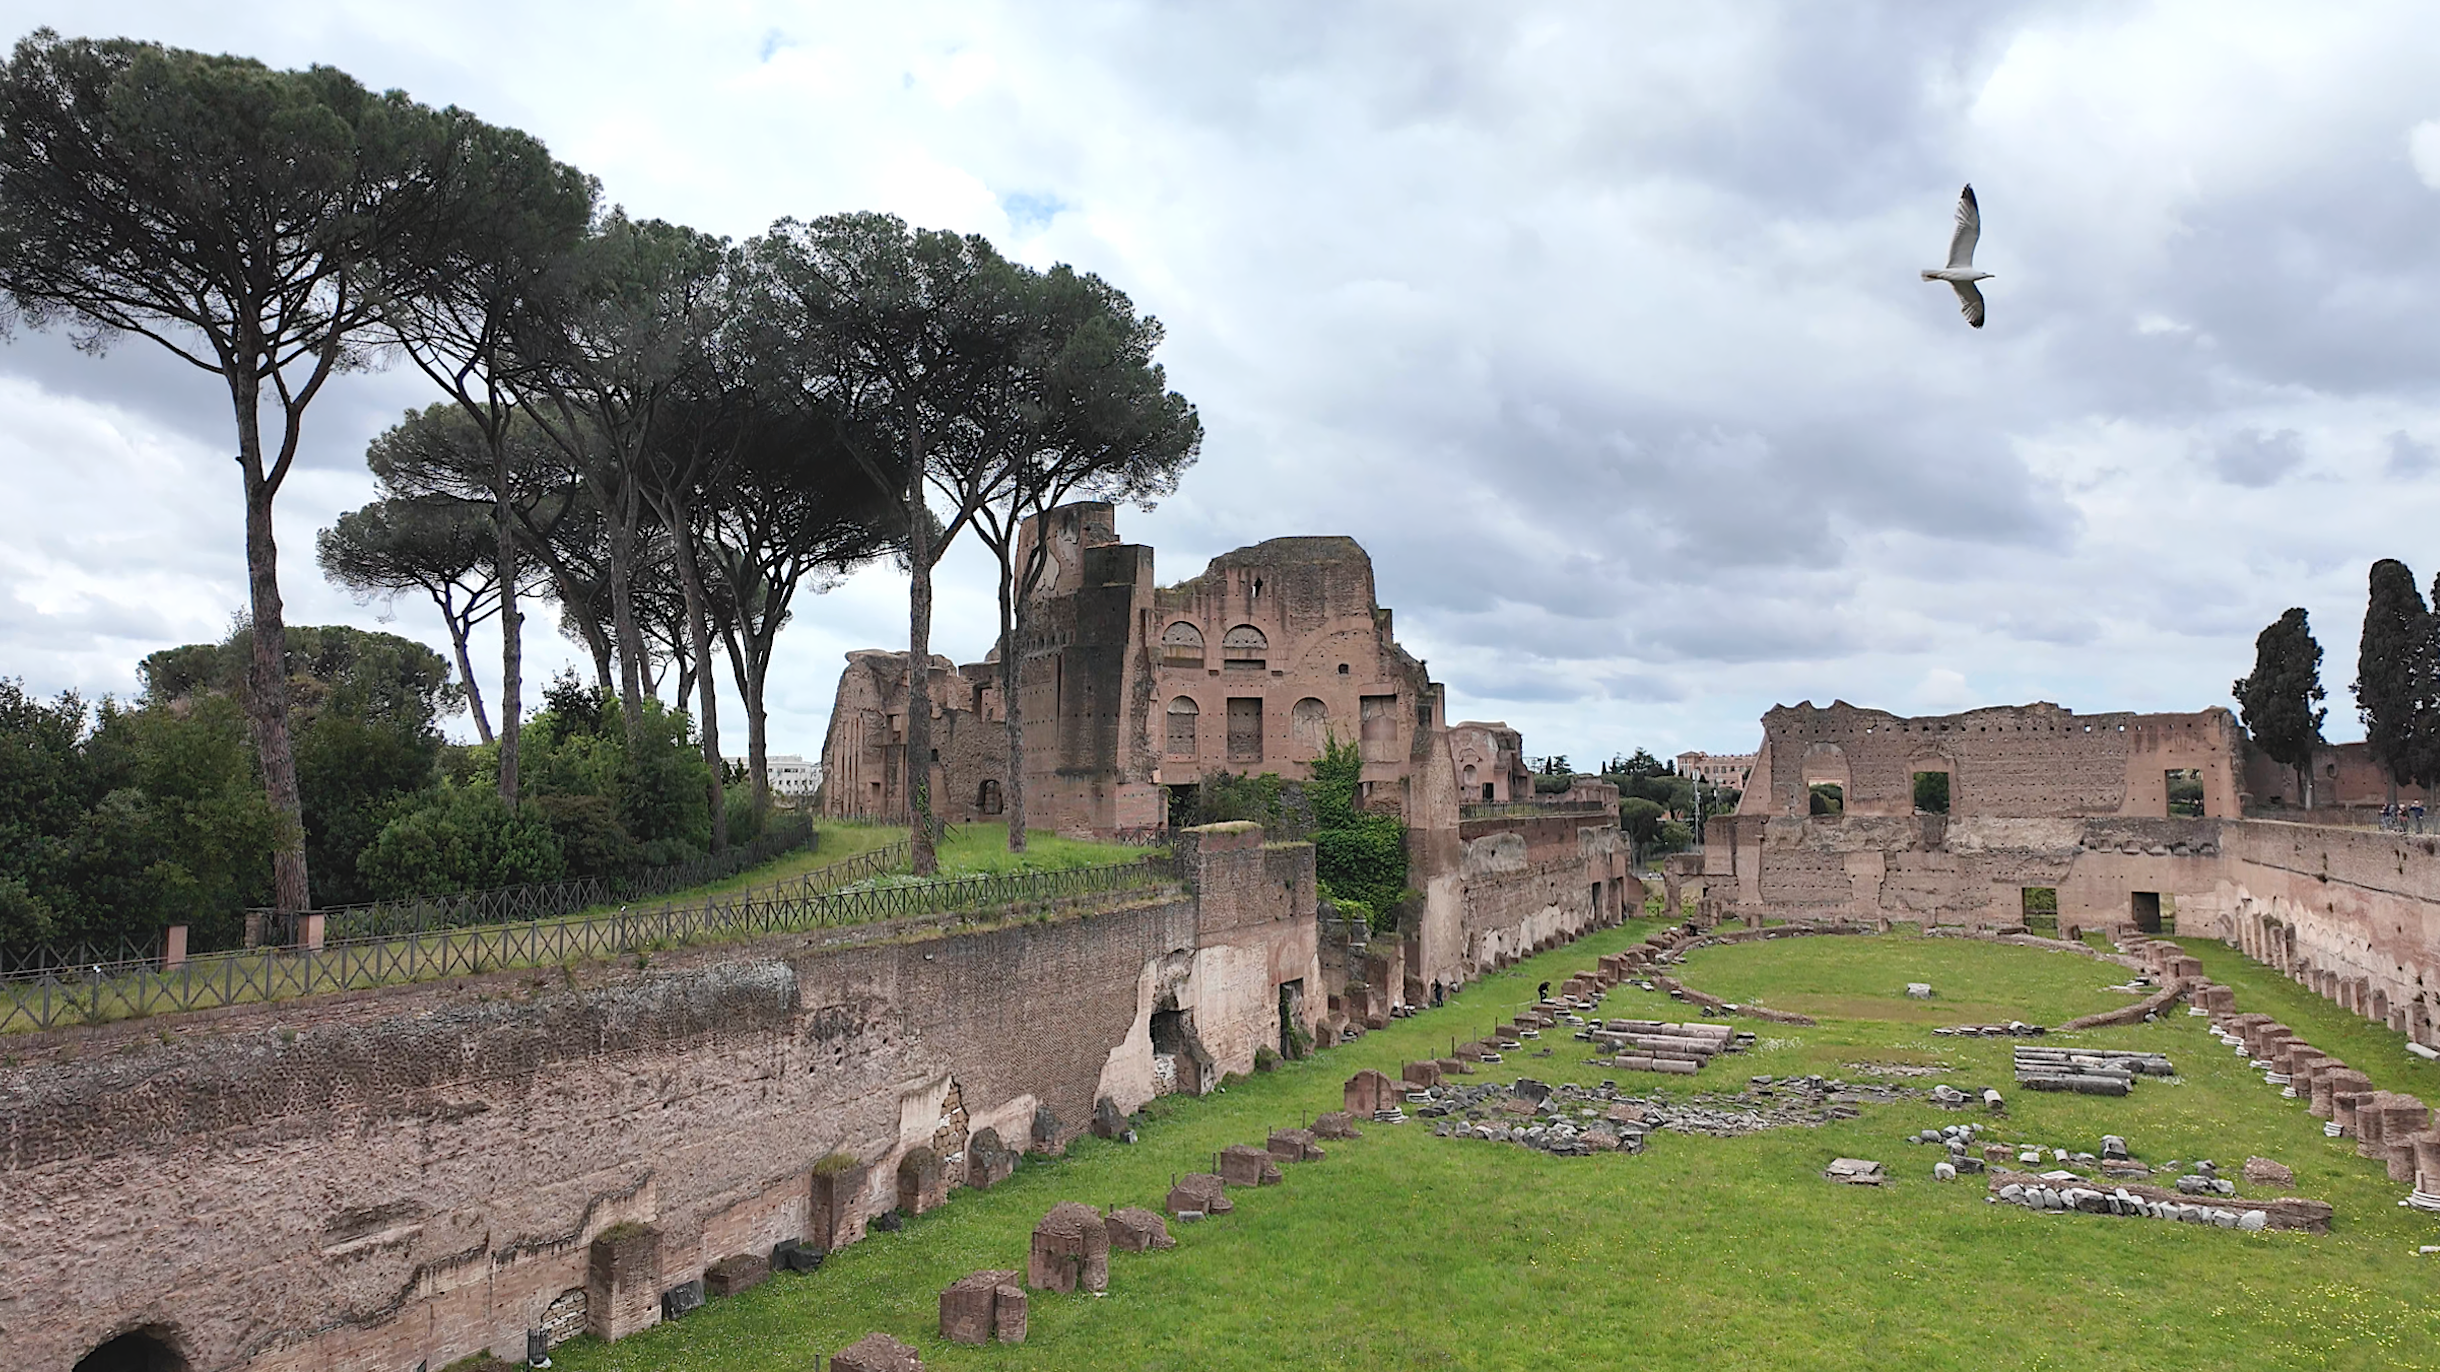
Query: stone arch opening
pixel 987 799
pixel 1245 649
pixel 1181 731
pixel 150 1349
pixel 1181 645
pixel 1309 727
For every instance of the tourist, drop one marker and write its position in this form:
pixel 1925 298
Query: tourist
pixel 2417 811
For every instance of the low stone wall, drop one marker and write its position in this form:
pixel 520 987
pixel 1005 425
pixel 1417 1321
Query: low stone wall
pixel 421 1173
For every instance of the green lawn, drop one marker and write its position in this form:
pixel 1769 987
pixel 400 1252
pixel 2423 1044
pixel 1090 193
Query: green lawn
pixel 1405 1250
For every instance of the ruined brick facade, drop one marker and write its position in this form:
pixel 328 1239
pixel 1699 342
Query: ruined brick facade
pixel 2076 808
pixel 2016 762
pixel 1130 689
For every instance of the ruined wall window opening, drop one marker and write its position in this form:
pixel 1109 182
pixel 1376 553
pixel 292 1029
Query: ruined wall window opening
pixel 1826 798
pixel 2144 907
pixel 1342 669
pixel 1245 728
pixel 987 797
pixel 1293 1040
pixel 1377 728
pixel 1932 792
pixel 1245 649
pixel 1309 727
pixel 1181 734
pixel 144 1350
pixel 1181 645
pixel 2184 788
pixel 2040 906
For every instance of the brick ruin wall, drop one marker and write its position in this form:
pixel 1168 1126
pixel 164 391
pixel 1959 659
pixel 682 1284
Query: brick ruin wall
pixel 1526 885
pixel 2353 914
pixel 416 1174
pixel 2028 761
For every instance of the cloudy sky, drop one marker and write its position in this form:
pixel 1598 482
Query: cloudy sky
pixel 1597 324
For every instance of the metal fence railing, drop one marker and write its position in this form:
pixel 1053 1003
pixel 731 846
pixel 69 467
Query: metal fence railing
pixel 1532 809
pixel 54 996
pixel 539 900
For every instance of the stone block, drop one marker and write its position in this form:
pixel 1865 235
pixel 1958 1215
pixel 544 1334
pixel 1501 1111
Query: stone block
pixel 623 1281
pixel 1294 1145
pixel 1200 1192
pixel 1452 1066
pixel 1071 1250
pixel 988 1161
pixel 1108 1123
pixel 1047 1138
pixel 1008 1313
pixel 1368 1091
pixel 734 1273
pixel 923 1182
pixel 837 1215
pixel 1423 1076
pixel 682 1300
pixel 2264 1172
pixel 967 1306
pixel 1245 1165
pixel 1136 1230
pixel 1335 1124
pixel 876 1353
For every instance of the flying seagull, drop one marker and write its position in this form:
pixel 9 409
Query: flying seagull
pixel 1960 273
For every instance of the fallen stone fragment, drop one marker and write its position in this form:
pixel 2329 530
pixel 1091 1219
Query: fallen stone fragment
pixel 876 1353
pixel 1136 1230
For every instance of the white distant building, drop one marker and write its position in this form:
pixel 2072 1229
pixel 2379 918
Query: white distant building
pixel 1720 769
pixel 792 774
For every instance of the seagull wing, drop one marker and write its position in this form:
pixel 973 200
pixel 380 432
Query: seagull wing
pixel 1970 301
pixel 1969 230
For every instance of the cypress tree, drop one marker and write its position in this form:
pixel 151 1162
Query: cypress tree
pixel 2277 700
pixel 2393 671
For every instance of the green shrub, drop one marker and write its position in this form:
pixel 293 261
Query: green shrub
pixel 464 839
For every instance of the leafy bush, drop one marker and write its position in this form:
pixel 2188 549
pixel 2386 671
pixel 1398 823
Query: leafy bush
pixel 1359 858
pixel 465 839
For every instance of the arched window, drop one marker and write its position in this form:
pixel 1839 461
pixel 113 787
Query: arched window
pixel 987 797
pixel 1182 645
pixel 1309 727
pixel 1244 649
pixel 1182 712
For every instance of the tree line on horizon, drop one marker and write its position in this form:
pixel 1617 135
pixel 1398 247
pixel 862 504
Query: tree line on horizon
pixel 667 435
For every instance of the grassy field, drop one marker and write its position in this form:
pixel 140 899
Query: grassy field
pixel 1405 1250
pixel 968 849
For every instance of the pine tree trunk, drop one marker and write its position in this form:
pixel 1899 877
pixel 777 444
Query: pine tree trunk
pixel 920 850
pixel 512 627
pixel 699 638
pixel 1012 619
pixel 267 673
pixel 465 666
pixel 622 615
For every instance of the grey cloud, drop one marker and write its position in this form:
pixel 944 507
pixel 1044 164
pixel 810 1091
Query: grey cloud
pixel 1598 327
pixel 2408 456
pixel 2251 457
